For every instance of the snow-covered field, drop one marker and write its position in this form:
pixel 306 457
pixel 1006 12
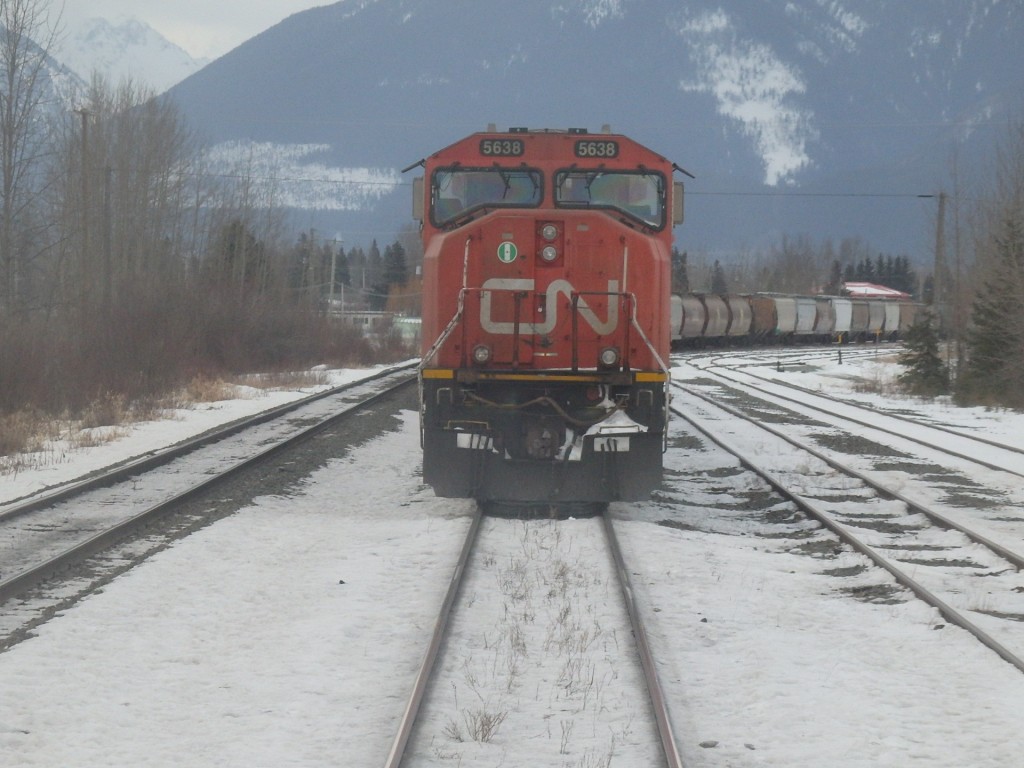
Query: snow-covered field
pixel 61 463
pixel 289 633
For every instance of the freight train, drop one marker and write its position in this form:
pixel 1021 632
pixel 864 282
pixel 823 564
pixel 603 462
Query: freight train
pixel 705 319
pixel 546 283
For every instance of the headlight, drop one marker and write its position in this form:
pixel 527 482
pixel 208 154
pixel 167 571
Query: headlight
pixel 608 358
pixel 549 253
pixel 481 354
pixel 549 232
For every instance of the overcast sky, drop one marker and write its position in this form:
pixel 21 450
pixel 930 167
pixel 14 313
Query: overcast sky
pixel 204 28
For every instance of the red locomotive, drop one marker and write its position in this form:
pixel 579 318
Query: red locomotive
pixel 546 308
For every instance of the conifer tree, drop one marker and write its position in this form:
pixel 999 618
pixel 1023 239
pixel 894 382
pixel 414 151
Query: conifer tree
pixel 680 277
pixel 342 270
pixel 835 279
pixel 995 366
pixel 882 271
pixel 395 270
pixel 719 284
pixel 927 373
pixel 374 265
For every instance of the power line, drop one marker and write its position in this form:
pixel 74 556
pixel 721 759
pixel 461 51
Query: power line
pixel 736 193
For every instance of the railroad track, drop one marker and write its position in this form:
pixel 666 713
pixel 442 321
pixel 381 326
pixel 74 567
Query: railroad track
pixel 776 356
pixel 44 537
pixel 940 560
pixel 981 450
pixel 973 478
pixel 128 469
pixel 527 633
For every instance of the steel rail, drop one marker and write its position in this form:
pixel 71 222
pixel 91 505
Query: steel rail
pixel 24 580
pixel 758 357
pixel 155 459
pixel 419 688
pixel 937 517
pixel 806 505
pixel 658 703
pixel 886 430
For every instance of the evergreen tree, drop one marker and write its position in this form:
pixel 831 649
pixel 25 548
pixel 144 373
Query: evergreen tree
pixel 680 277
pixel 374 264
pixel 719 284
pixel 927 374
pixel 376 287
pixel 928 290
pixel 395 270
pixel 901 275
pixel 357 265
pixel 995 342
pixel 835 279
pixel 342 269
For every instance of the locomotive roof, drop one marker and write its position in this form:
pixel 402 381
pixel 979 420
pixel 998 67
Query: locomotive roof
pixel 575 134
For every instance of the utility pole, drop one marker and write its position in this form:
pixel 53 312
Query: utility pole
pixel 108 276
pixel 311 267
pixel 334 263
pixel 958 310
pixel 941 290
pixel 84 113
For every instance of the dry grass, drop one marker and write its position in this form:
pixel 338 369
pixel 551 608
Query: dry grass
pixel 877 380
pixel 20 432
pixel 286 379
pixel 204 389
pixel 32 439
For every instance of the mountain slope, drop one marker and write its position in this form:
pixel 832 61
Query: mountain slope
pixel 122 48
pixel 750 95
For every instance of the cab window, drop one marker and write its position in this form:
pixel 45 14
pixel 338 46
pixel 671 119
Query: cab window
pixel 456 192
pixel 641 196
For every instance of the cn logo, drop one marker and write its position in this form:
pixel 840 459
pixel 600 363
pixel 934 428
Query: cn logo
pixel 563 287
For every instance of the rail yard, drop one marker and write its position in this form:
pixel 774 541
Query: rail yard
pixel 292 623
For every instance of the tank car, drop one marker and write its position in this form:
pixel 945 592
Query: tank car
pixel 546 280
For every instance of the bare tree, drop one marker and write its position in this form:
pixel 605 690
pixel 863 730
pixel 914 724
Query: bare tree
pixel 794 266
pixel 26 38
pixel 125 193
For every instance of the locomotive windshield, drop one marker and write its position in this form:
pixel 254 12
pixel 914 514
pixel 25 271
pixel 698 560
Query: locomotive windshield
pixel 638 195
pixel 457 191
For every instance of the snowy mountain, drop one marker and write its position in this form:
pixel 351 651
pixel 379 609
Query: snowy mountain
pixel 123 48
pixel 852 109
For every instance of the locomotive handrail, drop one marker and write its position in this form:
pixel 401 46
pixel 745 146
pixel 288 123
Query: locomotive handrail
pixel 459 309
pixel 625 268
pixel 657 357
pixel 647 342
pixel 632 318
pixel 456 318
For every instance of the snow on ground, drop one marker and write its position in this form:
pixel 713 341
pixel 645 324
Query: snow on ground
pixel 311 618
pixel 60 463
pixel 857 380
pixel 289 633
